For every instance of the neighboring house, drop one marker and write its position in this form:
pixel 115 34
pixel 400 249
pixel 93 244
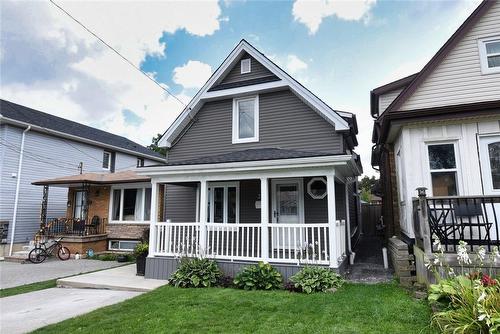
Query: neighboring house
pixel 440 129
pixel 258 169
pixel 34 146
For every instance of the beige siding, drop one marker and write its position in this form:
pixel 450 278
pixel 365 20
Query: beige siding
pixel 386 99
pixel 458 78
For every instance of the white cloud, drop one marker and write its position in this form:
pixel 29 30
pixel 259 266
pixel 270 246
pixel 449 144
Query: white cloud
pixel 312 13
pixel 50 63
pixel 193 74
pixel 294 64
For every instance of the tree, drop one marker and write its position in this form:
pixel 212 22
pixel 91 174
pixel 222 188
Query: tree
pixel 368 183
pixel 154 145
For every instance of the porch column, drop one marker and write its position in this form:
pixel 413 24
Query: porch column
pixel 264 218
pixel 348 223
pixel 332 218
pixel 154 218
pixel 203 217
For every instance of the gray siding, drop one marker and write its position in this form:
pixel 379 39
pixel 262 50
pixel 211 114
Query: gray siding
pixel 257 71
pixel 386 99
pixel 163 268
pixel 285 122
pixel 458 78
pixel 180 203
pixel 45 157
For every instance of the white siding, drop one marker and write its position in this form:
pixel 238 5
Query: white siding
pixel 386 99
pixel 45 157
pixel 413 142
pixel 458 78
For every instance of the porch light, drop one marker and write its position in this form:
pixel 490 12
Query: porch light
pixel 68 204
pixel 422 191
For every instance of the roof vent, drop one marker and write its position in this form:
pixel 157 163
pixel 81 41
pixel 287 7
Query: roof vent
pixel 245 66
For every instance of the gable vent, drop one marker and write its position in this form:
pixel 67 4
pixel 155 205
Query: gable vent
pixel 245 66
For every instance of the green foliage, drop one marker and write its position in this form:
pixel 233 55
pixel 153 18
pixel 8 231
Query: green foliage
pixel 366 195
pixel 154 145
pixel 316 279
pixel 261 276
pixel 467 306
pixel 196 273
pixel 368 183
pixel 141 249
pixel 28 288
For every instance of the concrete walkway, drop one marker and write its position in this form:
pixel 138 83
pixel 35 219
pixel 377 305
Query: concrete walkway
pixel 26 312
pixel 121 278
pixel 14 274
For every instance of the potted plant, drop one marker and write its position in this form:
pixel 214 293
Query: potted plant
pixel 141 252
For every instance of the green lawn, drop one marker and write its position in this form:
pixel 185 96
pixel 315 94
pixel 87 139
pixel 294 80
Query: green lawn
pixel 28 288
pixel 381 308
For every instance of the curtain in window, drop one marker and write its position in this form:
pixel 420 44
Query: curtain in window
pixel 138 205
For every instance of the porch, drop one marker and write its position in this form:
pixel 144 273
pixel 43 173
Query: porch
pixel 287 216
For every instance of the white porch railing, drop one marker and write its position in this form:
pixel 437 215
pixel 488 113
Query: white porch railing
pixel 287 243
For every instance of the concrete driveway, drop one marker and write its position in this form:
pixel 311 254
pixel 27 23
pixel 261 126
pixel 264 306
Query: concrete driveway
pixel 26 312
pixel 15 274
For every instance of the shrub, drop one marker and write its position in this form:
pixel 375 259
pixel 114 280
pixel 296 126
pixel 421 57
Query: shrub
pixel 261 276
pixel 316 279
pixel 141 249
pixel 196 273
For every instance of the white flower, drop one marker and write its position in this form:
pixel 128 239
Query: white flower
pixel 438 245
pixel 481 298
pixel 462 254
pixel 481 253
pixel 481 317
pixel 451 272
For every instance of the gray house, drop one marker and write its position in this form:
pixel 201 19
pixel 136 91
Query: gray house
pixel 34 146
pixel 258 169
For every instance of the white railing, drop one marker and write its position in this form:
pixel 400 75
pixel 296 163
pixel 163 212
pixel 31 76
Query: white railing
pixel 234 241
pixel 299 243
pixel 287 243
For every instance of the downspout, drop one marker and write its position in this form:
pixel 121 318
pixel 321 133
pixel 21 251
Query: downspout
pixel 18 185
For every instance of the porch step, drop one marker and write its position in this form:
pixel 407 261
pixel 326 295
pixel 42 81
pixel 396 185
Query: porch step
pixel 19 257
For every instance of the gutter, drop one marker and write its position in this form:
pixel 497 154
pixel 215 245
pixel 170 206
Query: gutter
pixel 18 185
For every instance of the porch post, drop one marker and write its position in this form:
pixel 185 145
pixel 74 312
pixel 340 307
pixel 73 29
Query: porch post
pixel 203 216
pixel 264 218
pixel 423 220
pixel 332 218
pixel 348 223
pixel 154 218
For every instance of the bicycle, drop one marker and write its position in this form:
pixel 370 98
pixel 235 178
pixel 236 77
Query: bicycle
pixel 41 252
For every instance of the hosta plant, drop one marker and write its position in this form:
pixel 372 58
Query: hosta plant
pixel 316 279
pixel 261 276
pixel 196 273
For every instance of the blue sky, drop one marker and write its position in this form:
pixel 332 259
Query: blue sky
pixel 339 50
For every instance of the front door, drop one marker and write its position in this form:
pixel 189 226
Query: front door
pixel 489 152
pixel 287 208
pixel 78 207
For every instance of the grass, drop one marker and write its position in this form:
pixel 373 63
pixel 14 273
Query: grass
pixel 354 308
pixel 28 288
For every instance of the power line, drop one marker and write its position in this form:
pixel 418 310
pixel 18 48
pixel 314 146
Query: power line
pixel 118 53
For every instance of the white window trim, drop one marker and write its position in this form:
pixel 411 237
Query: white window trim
pixel 122 187
pixel 236 121
pixel 119 242
pixel 309 190
pixel 457 168
pixel 210 198
pixel 484 156
pixel 483 56
pixel 243 63
pixel 109 160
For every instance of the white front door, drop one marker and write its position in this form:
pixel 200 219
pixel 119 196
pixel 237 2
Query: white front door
pixel 489 152
pixel 287 208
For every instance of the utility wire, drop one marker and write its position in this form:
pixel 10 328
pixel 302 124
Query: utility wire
pixel 118 53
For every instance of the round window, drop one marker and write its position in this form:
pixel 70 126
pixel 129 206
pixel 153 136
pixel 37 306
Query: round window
pixel 316 188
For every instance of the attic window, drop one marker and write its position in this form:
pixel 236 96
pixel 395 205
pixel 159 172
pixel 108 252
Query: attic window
pixel 106 160
pixel 245 66
pixel 489 52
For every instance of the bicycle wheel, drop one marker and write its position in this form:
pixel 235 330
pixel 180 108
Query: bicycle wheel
pixel 37 255
pixel 63 253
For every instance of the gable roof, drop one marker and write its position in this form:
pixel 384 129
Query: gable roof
pixel 381 90
pixel 61 127
pixel 440 55
pixel 285 80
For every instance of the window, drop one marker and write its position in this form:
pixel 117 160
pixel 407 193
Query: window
pixel 443 169
pixel 78 207
pixel 489 51
pixel 140 162
pixel 316 188
pixel 106 160
pixel 122 245
pixel 494 157
pixel 223 203
pixel 246 120
pixel 246 65
pixel 131 205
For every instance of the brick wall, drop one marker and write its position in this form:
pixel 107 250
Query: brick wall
pixel 99 201
pixel 126 231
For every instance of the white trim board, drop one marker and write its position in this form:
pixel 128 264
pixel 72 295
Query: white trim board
pixel 305 95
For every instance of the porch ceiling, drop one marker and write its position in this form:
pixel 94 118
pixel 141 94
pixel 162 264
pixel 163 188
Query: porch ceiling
pixel 94 178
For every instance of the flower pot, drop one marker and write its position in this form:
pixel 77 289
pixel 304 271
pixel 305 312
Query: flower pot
pixel 141 264
pixel 122 258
